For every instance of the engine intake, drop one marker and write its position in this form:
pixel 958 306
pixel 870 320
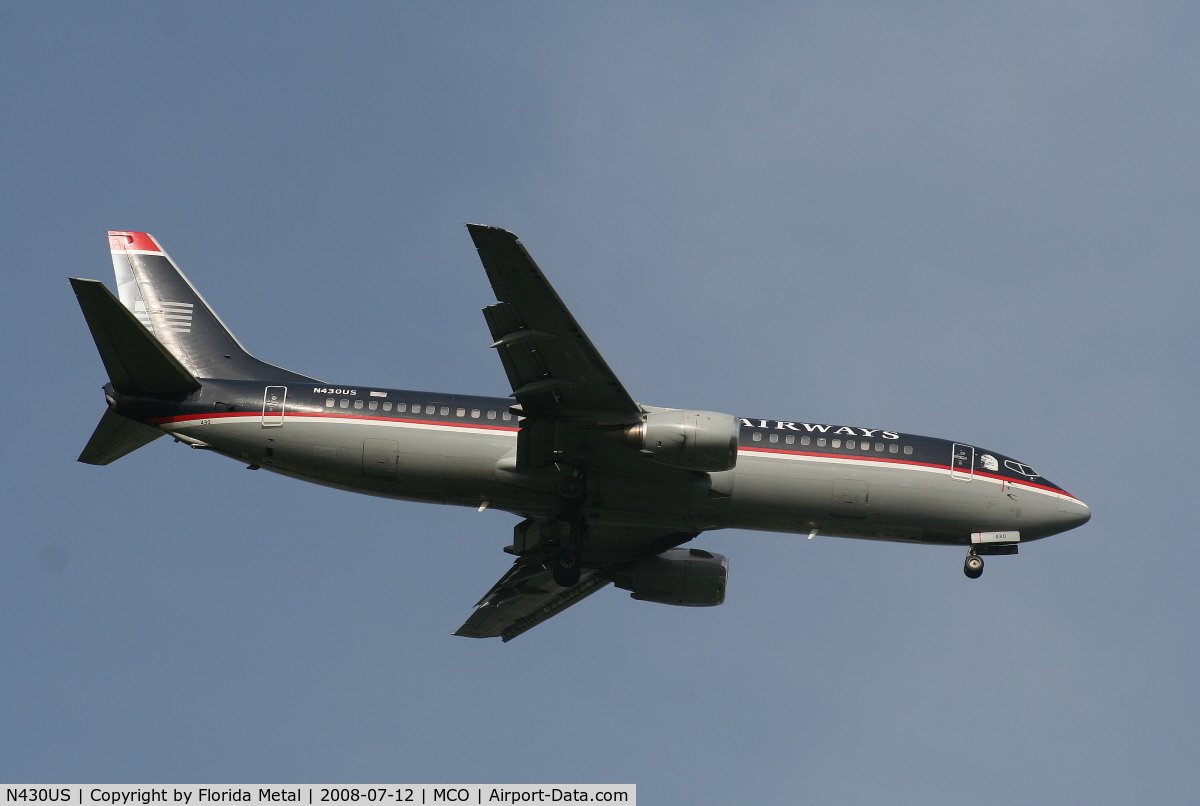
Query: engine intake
pixel 686 577
pixel 692 440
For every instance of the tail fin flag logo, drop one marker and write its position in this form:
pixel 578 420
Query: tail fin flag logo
pixel 171 317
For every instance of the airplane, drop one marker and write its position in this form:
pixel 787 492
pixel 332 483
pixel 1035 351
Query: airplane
pixel 609 490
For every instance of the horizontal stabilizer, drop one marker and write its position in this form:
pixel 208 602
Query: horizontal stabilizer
pixel 114 437
pixel 135 360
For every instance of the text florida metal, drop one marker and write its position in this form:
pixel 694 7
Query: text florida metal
pixel 609 490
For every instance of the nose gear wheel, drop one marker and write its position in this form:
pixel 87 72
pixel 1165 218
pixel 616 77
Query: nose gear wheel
pixel 973 567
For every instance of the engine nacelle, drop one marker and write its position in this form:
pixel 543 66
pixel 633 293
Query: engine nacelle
pixel 693 440
pixel 687 577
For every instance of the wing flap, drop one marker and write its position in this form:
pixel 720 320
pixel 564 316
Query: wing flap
pixel 523 598
pixel 549 360
pixel 527 594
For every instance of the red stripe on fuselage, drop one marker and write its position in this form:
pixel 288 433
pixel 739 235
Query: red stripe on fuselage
pixel 877 459
pixel 256 415
pixel 886 460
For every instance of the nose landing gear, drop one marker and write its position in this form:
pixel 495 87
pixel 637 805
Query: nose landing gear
pixel 973 567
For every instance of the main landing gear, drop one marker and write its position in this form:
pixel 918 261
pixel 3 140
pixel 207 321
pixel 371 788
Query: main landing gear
pixel 572 492
pixel 566 568
pixel 973 567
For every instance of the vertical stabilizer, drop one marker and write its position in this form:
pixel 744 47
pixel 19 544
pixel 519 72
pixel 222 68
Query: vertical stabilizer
pixel 151 286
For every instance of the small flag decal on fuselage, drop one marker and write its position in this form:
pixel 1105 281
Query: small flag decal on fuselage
pixel 379 394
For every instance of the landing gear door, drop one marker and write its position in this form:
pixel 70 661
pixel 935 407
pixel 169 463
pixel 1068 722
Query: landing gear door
pixel 849 498
pixel 274 398
pixel 962 462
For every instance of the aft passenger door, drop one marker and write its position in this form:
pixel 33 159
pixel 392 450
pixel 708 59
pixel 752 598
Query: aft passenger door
pixel 274 399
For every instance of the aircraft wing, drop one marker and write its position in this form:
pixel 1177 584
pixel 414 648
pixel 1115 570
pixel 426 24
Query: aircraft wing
pixel 527 594
pixel 568 397
pixel 523 598
pixel 554 369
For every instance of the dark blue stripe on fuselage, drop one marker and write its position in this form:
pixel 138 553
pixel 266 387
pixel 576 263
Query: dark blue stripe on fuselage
pixel 225 396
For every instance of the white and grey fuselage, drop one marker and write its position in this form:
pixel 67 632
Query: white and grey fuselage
pixel 790 476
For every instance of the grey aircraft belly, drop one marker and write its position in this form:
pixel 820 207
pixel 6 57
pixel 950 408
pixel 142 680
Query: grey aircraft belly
pixel 608 490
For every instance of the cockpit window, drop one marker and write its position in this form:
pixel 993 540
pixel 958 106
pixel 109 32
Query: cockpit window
pixel 1017 467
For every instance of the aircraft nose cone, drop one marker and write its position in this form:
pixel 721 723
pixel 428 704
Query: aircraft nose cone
pixel 1072 512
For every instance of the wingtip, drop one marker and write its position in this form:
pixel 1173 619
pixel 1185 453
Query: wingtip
pixel 488 228
pixel 81 285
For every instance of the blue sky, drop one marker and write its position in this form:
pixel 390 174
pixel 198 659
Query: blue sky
pixel 971 221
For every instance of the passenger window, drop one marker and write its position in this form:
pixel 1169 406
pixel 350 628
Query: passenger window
pixel 475 413
pixel 429 409
pixel 374 404
pixel 908 448
pixel 878 446
pixel 345 404
pixel 387 406
pixel 401 407
pixel 358 404
pixel 849 444
pixel 893 448
pixel 491 415
pixel 444 410
pixel 821 442
pixel 805 440
pixel 329 402
pixel 789 439
pixel 508 415
pixel 837 443
pixel 460 413
pixel 774 438
pixel 757 437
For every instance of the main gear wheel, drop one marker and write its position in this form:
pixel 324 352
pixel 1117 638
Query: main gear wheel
pixel 566 569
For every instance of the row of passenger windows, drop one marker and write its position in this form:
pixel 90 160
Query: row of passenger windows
pixel 374 405
pixel 851 444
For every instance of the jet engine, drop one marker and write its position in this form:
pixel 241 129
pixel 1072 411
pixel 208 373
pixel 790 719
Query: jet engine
pixel 687 577
pixel 692 440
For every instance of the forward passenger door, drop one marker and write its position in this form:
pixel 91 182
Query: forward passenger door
pixel 962 462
